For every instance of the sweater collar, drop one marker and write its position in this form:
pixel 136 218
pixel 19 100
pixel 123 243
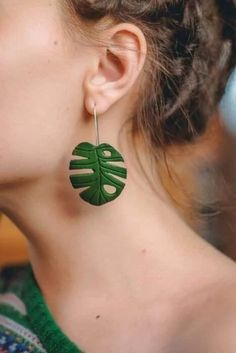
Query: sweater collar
pixel 42 321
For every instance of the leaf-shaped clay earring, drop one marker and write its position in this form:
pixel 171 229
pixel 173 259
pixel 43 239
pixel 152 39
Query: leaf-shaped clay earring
pixel 97 158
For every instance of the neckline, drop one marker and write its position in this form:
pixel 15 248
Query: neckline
pixel 42 321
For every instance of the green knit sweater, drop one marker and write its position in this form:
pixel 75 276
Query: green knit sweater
pixel 26 324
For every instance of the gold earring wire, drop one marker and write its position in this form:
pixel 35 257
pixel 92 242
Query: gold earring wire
pixel 96 125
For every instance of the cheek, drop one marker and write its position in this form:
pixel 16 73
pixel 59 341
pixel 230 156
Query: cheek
pixel 37 86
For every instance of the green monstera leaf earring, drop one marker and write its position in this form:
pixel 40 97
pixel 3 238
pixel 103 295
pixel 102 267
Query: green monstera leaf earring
pixel 103 173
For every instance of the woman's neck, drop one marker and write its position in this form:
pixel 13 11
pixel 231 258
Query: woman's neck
pixel 111 253
pixel 112 249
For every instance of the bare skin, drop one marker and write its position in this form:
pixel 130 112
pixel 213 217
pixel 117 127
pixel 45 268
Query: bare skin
pixel 129 276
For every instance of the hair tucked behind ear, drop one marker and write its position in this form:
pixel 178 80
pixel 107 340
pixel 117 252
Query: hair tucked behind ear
pixel 191 52
pixel 190 58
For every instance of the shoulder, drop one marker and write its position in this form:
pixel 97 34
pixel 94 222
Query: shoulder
pixel 222 332
pixel 214 329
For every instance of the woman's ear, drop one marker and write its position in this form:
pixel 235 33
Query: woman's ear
pixel 117 67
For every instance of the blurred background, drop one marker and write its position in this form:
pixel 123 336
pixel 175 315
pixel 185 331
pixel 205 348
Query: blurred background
pixel 204 194
pixel 12 243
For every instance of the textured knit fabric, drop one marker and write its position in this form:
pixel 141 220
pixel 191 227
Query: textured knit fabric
pixel 26 324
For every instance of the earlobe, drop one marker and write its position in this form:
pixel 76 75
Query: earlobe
pixel 118 67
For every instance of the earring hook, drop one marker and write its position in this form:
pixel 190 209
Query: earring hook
pixel 96 125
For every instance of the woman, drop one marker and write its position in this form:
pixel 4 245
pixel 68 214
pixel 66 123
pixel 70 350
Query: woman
pixel 128 275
